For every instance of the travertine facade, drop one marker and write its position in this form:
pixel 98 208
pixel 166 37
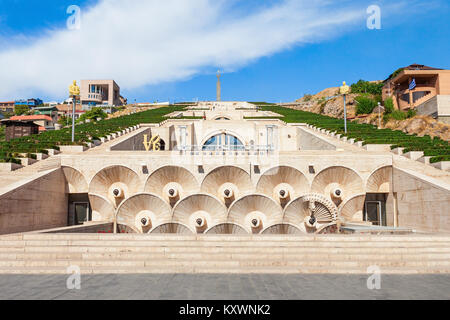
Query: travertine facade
pixel 232 173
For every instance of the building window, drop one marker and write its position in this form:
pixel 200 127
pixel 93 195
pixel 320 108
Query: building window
pixel 223 142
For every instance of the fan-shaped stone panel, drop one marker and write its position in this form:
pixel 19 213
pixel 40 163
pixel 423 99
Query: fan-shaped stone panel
pixel 172 183
pixel 172 228
pixel 338 184
pixel 115 183
pixel 310 212
pixel 283 184
pixel 102 208
pixel 283 229
pixel 352 210
pixel 121 228
pixel 380 181
pixel 200 212
pixel 228 183
pixel 331 228
pixel 227 228
pixel 75 180
pixel 144 212
pixel 255 213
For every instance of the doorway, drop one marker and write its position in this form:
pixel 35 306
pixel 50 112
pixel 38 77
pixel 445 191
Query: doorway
pixel 375 209
pixel 82 213
pixel 374 213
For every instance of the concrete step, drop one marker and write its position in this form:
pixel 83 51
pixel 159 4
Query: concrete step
pixel 227 238
pixel 220 256
pixel 33 253
pixel 224 250
pixel 163 263
pixel 249 243
pixel 220 270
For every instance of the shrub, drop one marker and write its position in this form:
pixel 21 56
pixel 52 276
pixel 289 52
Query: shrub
pixel 307 97
pixel 365 105
pixel 388 106
pixel 411 113
pixel 396 115
pixel 21 109
pixel 367 87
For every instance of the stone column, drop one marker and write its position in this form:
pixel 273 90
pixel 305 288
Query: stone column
pixel 218 86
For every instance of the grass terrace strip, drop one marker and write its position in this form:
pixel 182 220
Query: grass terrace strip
pixel 85 133
pixel 435 147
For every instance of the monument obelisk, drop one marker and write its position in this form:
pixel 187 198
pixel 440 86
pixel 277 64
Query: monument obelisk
pixel 218 86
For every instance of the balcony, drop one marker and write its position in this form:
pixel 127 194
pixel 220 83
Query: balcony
pixel 95 97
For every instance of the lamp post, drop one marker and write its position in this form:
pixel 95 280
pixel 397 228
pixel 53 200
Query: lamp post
pixel 74 92
pixel 344 90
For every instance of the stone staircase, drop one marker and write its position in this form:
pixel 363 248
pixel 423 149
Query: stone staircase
pixel 35 253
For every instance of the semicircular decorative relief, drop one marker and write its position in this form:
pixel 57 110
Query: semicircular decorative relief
pixel 311 212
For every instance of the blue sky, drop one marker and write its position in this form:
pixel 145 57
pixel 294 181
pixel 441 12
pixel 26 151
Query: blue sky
pixel 273 62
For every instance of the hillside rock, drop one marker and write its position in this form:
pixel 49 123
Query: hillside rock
pixel 327 102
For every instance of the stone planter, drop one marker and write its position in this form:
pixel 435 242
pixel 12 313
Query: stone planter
pixel 27 161
pixel 72 149
pixel 378 147
pixel 414 155
pixel 8 167
pixel 425 160
pixel 398 151
pixel 53 152
pixel 443 165
pixel 41 156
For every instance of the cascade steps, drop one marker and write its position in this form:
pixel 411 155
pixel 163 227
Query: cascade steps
pixel 36 253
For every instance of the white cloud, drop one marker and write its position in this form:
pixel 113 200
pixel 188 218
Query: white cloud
pixel 148 42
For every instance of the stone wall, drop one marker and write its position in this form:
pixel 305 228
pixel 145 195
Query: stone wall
pixel 437 107
pixel 422 205
pixel 308 141
pixel 40 203
pixel 135 143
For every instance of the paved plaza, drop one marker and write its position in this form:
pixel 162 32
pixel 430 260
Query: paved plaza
pixel 224 287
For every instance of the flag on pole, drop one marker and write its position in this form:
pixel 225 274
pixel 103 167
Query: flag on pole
pixel 412 85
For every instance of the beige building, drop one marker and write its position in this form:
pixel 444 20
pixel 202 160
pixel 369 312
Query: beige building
pixel 423 88
pixel 101 92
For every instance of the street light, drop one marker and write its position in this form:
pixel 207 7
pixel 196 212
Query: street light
pixel 344 90
pixel 74 92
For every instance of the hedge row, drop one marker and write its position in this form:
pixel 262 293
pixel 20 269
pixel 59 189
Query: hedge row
pixel 436 148
pixel 84 134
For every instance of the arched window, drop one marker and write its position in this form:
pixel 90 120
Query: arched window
pixel 223 142
pixel 222 118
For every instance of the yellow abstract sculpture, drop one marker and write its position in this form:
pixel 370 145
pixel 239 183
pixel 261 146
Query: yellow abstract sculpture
pixel 154 143
pixel 74 90
pixel 345 89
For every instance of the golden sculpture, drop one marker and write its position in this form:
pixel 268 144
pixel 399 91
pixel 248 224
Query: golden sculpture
pixel 74 90
pixel 154 144
pixel 345 89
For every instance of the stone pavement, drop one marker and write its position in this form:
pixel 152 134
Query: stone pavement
pixel 224 287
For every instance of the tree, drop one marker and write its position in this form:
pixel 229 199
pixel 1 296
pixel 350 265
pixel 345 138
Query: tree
pixel 93 114
pixel 21 109
pixel 367 87
pixel 63 120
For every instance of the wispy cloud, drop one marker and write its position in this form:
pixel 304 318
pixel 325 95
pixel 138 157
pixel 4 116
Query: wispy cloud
pixel 148 42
